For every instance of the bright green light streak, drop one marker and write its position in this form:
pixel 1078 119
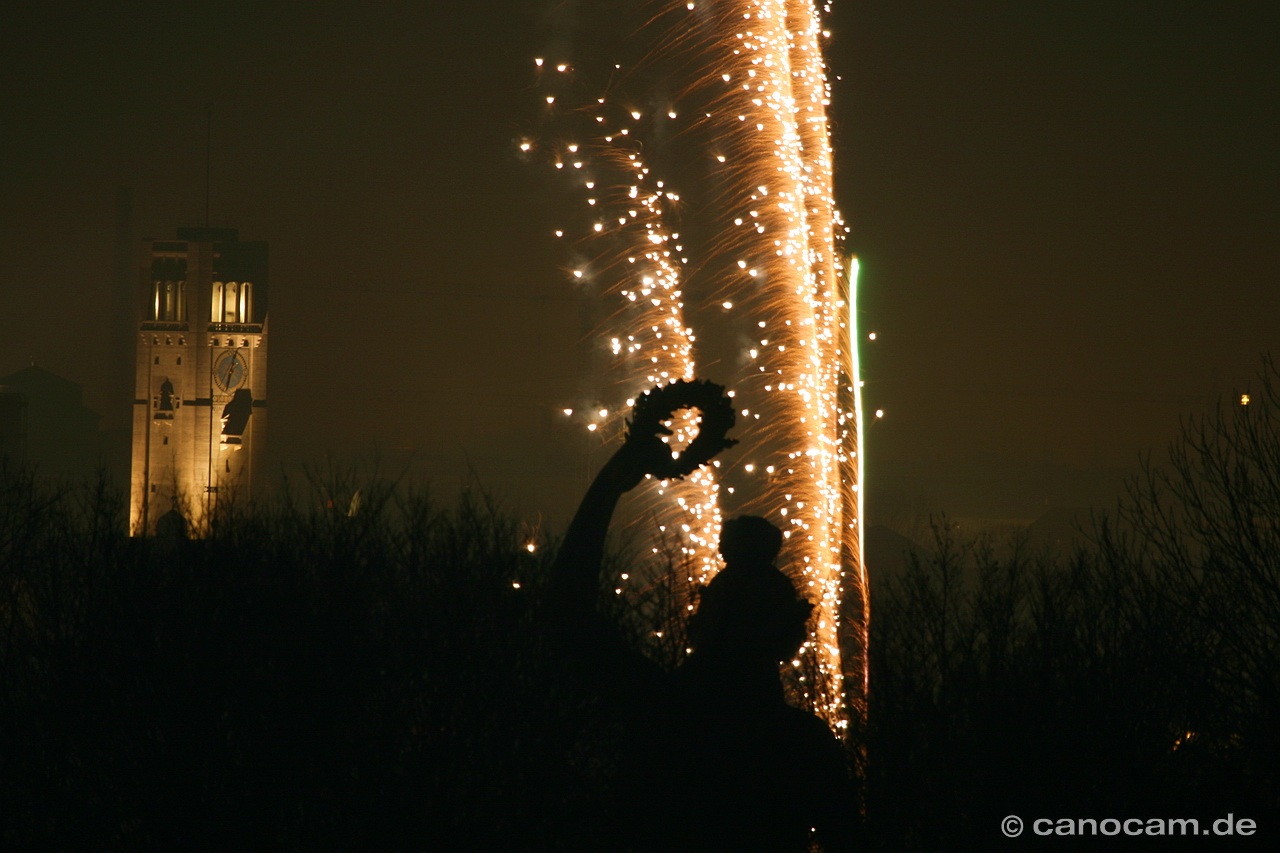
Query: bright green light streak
pixel 855 375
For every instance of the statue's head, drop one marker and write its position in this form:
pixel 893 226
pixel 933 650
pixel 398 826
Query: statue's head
pixel 749 539
pixel 750 611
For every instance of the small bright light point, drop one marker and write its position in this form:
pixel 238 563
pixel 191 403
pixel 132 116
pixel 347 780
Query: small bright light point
pixel 531 547
pixel 538 62
pixel 561 67
pixel 577 273
pixel 568 411
pixel 879 413
pixel 635 115
pixel 720 157
pixel 727 305
pixel 524 146
pixel 591 427
pixel 551 99
pixel 559 233
pixel 671 114
pixel 604 412
pixel 1244 399
pixel 749 468
pixel 871 337
pixel 599 227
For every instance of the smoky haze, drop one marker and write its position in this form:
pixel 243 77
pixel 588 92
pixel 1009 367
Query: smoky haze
pixel 1064 218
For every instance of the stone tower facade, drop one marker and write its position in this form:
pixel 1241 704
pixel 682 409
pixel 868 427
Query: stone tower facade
pixel 200 402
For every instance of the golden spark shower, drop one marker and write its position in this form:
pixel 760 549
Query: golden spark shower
pixel 719 132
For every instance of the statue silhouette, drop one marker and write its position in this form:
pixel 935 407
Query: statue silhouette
pixel 714 759
pixel 167 397
pixel 235 416
pixel 171 528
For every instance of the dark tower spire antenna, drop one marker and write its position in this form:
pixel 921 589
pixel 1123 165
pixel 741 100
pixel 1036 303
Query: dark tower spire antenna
pixel 208 158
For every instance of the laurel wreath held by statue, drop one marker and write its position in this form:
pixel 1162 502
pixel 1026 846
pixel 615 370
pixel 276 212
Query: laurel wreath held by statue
pixel 658 404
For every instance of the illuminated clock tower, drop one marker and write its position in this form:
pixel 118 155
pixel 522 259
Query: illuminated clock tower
pixel 200 404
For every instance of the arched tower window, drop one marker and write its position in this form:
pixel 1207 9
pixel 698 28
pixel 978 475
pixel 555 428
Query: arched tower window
pixel 232 302
pixel 168 301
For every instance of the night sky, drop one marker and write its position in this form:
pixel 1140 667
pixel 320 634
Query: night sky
pixel 1066 216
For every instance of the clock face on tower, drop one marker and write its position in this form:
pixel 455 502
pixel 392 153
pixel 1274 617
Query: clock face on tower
pixel 229 370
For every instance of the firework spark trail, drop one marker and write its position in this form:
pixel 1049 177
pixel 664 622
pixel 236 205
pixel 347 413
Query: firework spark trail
pixel 776 101
pixel 761 78
pixel 691 504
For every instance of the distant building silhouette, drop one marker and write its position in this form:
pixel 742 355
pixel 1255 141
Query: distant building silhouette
pixel 199 411
pixel 13 424
pixel 43 422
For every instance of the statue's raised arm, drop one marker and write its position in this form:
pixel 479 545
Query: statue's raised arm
pixel 575 575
